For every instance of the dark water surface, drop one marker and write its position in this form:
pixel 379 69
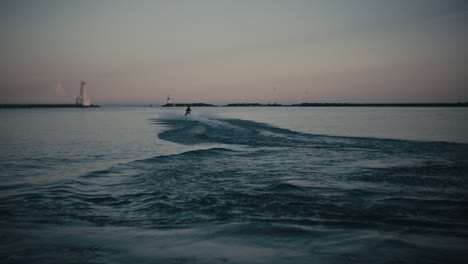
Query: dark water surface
pixel 169 189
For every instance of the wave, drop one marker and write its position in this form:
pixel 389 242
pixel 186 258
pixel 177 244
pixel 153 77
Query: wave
pixel 227 131
pixel 198 153
pixel 279 176
pixel 203 130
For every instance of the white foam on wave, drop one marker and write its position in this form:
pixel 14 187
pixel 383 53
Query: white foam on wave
pixel 211 120
pixel 272 134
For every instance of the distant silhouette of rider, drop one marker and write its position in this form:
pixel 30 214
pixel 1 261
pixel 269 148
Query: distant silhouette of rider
pixel 188 110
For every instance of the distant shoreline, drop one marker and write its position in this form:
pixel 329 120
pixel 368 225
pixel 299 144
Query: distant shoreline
pixel 325 105
pixel 45 106
pixel 254 105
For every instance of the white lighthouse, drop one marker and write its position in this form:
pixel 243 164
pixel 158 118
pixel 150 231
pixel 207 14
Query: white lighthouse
pixel 83 99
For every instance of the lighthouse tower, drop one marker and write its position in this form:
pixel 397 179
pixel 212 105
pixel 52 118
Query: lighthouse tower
pixel 83 99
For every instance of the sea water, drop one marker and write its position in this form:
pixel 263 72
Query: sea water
pixel 234 185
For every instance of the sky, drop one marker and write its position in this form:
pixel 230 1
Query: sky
pixel 219 51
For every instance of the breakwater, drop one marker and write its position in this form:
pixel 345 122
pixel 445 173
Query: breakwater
pixel 45 106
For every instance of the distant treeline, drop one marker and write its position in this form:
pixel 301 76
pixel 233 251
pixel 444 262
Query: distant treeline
pixel 388 104
pixel 328 104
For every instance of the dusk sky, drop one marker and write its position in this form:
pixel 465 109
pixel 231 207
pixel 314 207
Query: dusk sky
pixel 234 51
